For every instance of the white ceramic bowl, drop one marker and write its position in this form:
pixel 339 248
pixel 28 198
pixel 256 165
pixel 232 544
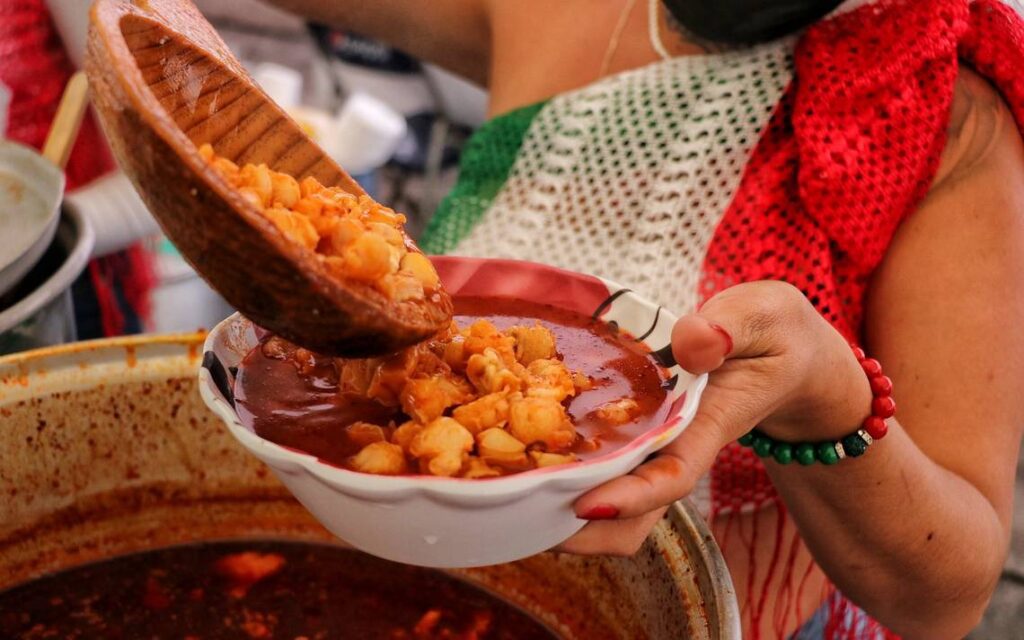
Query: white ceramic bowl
pixel 451 522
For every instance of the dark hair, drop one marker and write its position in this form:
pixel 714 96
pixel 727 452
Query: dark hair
pixel 746 21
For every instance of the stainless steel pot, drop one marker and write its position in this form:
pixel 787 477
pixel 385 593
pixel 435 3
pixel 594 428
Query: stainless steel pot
pixel 38 311
pixel 106 448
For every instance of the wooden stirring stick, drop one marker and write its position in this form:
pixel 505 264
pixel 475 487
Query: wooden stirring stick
pixel 64 130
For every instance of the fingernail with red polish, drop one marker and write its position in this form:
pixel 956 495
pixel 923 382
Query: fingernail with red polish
pixel 601 512
pixel 725 336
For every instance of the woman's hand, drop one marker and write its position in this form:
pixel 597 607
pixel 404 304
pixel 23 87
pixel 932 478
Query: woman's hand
pixel 774 362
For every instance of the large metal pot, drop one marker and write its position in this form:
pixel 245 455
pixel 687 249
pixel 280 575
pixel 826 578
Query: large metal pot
pixel 106 448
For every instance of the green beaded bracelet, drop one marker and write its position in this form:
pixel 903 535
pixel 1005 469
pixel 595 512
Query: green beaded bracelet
pixel 807 453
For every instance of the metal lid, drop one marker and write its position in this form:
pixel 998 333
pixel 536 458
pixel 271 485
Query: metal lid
pixel 30 193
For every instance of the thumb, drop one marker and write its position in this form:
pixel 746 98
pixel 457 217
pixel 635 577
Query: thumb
pixel 744 321
pixel 700 345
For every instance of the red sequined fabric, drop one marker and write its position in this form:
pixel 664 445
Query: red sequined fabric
pixel 849 154
pixel 34 65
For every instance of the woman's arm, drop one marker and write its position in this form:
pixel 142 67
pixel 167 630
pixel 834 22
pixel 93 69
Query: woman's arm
pixel 916 530
pixel 946 316
pixel 454 34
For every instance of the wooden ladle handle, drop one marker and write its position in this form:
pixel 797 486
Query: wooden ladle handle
pixel 64 130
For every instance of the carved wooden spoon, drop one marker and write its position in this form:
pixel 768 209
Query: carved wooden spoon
pixel 163 83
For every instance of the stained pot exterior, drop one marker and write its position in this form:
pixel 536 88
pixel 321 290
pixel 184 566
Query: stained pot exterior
pixel 106 448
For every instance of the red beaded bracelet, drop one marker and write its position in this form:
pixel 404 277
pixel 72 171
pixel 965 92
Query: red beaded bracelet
pixel 883 406
pixel 854 445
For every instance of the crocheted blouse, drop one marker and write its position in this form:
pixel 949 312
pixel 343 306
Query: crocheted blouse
pixel 795 160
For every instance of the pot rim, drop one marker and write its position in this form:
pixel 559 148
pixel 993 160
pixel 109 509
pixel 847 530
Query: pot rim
pixel 724 612
pixel 99 344
pixel 61 279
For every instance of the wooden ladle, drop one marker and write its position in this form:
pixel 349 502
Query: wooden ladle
pixel 164 83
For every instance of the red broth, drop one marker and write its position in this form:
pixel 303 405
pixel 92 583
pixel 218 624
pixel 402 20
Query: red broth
pixel 306 412
pixel 243 590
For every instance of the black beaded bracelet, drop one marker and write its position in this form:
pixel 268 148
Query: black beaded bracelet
pixel 852 446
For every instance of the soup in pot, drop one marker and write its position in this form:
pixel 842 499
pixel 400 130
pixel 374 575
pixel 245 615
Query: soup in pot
pixel 242 590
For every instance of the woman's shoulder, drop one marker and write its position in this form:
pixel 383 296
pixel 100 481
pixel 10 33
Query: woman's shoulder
pixel 982 134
